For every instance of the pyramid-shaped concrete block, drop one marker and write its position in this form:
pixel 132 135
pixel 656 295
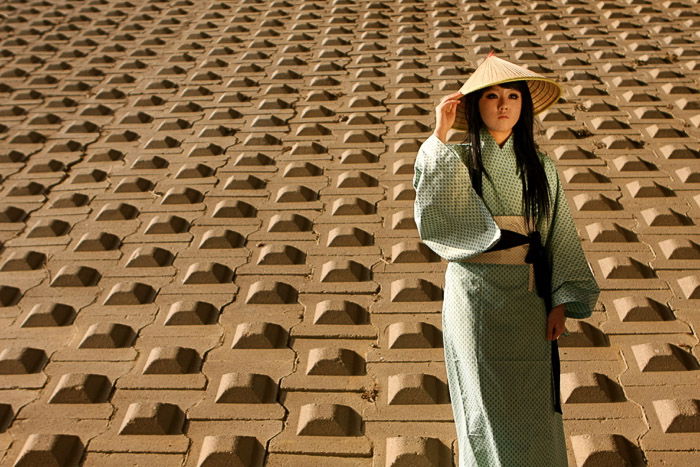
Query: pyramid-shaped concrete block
pixel 27 189
pixel 21 360
pixel 277 254
pixel 49 314
pixel 334 361
pixel 194 171
pixel 76 276
pixel 231 451
pixel 601 232
pixel 403 220
pixel 10 214
pixel 589 388
pixel 595 202
pixel 681 249
pixel 266 292
pixel 184 313
pixel 660 356
pixel 134 185
pixel 413 451
pixel 678 415
pixel 647 189
pixel 105 335
pixel 295 194
pixel 252 160
pixel 415 388
pixel 174 360
pixel 289 222
pixel 412 335
pixel 48 228
pixel 259 335
pixel 583 334
pixel 344 271
pixel 130 293
pixel 403 192
pixel 230 209
pixel 635 308
pixel 593 450
pixel 167 225
pixel 98 241
pixel 412 252
pixel 243 182
pixel 208 273
pixel 414 290
pixel 665 217
pixel 301 169
pixel 351 206
pixel 42 449
pixel 349 236
pixel 81 388
pixel 339 312
pixel 328 420
pixel 23 261
pixel 117 212
pixel 221 239
pixel 615 267
pixel 355 179
pixel 402 167
pixel 182 195
pixel 357 156
pixel 150 257
pixel 152 418
pixel 246 388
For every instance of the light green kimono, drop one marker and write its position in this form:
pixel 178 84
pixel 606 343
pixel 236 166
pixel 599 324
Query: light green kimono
pixel 497 356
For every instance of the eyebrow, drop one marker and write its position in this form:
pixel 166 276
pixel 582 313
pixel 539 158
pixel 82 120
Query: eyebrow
pixel 491 89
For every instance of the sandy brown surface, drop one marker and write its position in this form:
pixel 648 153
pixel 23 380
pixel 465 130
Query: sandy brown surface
pixel 208 254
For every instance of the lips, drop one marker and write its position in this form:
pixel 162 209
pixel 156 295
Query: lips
pixel 502 116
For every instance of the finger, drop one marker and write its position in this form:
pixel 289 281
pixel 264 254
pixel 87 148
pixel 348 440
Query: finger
pixel 560 330
pixel 448 104
pixel 449 101
pixel 455 95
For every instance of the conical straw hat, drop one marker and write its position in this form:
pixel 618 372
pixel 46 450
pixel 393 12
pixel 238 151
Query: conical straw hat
pixel 494 70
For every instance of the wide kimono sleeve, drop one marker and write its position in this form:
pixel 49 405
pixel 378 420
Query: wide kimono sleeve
pixel 451 218
pixel 572 278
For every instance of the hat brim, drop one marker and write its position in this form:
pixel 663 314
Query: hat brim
pixel 545 93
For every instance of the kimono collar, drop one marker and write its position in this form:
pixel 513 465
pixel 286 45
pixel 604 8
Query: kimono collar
pixel 490 144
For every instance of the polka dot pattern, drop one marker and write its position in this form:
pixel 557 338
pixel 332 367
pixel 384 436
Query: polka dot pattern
pixel 497 356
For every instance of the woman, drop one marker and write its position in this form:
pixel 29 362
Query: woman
pixel 489 207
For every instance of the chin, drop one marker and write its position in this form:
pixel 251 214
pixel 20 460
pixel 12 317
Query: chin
pixel 501 127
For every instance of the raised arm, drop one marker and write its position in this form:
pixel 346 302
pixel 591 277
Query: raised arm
pixel 452 219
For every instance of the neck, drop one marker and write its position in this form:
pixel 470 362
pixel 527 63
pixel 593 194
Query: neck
pixel 499 136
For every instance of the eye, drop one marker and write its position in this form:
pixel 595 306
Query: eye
pixel 514 96
pixel 491 95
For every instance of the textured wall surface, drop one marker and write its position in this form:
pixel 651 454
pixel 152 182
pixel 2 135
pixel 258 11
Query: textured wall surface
pixel 208 253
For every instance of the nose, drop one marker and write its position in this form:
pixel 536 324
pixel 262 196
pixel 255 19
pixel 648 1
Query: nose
pixel 502 103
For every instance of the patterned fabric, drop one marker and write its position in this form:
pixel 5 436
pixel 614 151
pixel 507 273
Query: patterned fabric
pixel 497 356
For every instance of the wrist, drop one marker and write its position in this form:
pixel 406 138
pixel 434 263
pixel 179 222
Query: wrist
pixel 441 135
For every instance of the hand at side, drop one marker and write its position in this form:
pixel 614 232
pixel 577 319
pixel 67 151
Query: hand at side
pixel 556 322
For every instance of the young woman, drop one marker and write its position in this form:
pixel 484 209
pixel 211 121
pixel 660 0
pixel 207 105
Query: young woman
pixel 495 209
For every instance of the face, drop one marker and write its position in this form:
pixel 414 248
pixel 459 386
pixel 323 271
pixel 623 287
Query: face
pixel 500 108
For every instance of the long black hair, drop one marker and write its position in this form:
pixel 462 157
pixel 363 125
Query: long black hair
pixel 529 166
